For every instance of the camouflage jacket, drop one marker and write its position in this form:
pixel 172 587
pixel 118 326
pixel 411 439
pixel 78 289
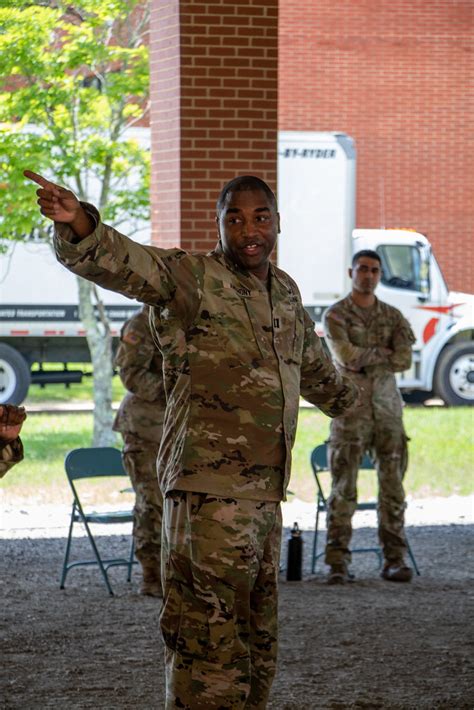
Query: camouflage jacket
pixel 236 358
pixel 11 452
pixel 356 337
pixel 140 367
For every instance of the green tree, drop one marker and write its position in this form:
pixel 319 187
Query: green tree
pixel 76 83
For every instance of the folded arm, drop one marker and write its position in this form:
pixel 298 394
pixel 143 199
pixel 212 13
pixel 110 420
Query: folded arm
pixel 402 341
pixel 346 353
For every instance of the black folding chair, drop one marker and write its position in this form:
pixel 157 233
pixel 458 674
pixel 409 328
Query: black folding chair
pixel 91 463
pixel 319 464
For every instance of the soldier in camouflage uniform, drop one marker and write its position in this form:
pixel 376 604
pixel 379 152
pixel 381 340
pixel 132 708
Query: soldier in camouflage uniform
pixel 370 341
pixel 238 350
pixel 11 448
pixel 140 421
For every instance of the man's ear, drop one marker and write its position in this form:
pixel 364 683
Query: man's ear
pixel 278 222
pixel 349 271
pixel 218 228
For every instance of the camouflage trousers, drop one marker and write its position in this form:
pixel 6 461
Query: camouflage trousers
pixel 139 458
pixel 386 442
pixel 219 614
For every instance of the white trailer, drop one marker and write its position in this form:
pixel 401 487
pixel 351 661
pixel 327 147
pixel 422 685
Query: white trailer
pixel 316 192
pixel 316 197
pixel 39 320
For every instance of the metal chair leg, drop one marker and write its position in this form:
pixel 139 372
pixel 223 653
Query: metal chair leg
pixel 315 539
pixel 68 548
pixel 98 558
pixel 130 562
pixel 412 558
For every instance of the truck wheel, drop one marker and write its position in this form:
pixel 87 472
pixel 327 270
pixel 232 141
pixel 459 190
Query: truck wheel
pixel 14 376
pixel 454 379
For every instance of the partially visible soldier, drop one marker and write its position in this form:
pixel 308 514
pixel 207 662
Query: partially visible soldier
pixel 369 341
pixel 140 421
pixel 11 448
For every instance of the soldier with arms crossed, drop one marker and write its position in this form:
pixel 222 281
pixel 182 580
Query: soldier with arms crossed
pixel 369 341
pixel 238 350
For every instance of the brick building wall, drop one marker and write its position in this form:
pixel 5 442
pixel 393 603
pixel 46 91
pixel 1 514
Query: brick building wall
pixel 213 109
pixel 396 75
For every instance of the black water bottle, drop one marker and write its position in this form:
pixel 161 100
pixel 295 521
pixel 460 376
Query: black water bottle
pixel 295 555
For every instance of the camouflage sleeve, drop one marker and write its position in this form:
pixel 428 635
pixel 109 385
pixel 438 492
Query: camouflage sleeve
pixel 402 341
pixel 135 356
pixel 115 262
pixel 11 452
pixel 321 383
pixel 346 353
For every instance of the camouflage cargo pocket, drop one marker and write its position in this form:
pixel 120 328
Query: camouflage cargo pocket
pixel 183 622
pixel 198 615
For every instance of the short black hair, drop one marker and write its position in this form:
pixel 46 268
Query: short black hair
pixel 369 253
pixel 243 183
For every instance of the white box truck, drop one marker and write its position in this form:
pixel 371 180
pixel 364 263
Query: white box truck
pixel 317 197
pixel 39 320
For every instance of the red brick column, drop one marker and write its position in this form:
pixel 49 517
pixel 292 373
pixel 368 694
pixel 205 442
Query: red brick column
pixel 213 109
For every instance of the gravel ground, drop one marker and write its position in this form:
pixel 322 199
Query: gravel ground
pixel 370 644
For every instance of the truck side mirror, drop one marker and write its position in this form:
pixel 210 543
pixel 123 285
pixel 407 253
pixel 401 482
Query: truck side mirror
pixel 425 261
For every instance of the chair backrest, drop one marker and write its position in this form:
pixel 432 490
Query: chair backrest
pixel 319 459
pixel 94 462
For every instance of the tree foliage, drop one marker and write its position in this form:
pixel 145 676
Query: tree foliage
pixel 75 85
pixel 75 82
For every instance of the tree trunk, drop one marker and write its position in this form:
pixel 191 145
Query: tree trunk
pixel 99 340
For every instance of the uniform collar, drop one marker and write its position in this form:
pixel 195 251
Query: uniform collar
pixel 218 254
pixel 358 309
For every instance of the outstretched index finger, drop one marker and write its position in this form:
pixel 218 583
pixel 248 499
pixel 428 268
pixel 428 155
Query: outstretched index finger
pixel 40 180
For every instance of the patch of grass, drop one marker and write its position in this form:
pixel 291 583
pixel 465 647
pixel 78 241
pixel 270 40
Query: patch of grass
pixel 47 439
pixel 441 450
pixel 441 455
pixel 75 392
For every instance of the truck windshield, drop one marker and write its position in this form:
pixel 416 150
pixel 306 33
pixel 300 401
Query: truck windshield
pixel 402 267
